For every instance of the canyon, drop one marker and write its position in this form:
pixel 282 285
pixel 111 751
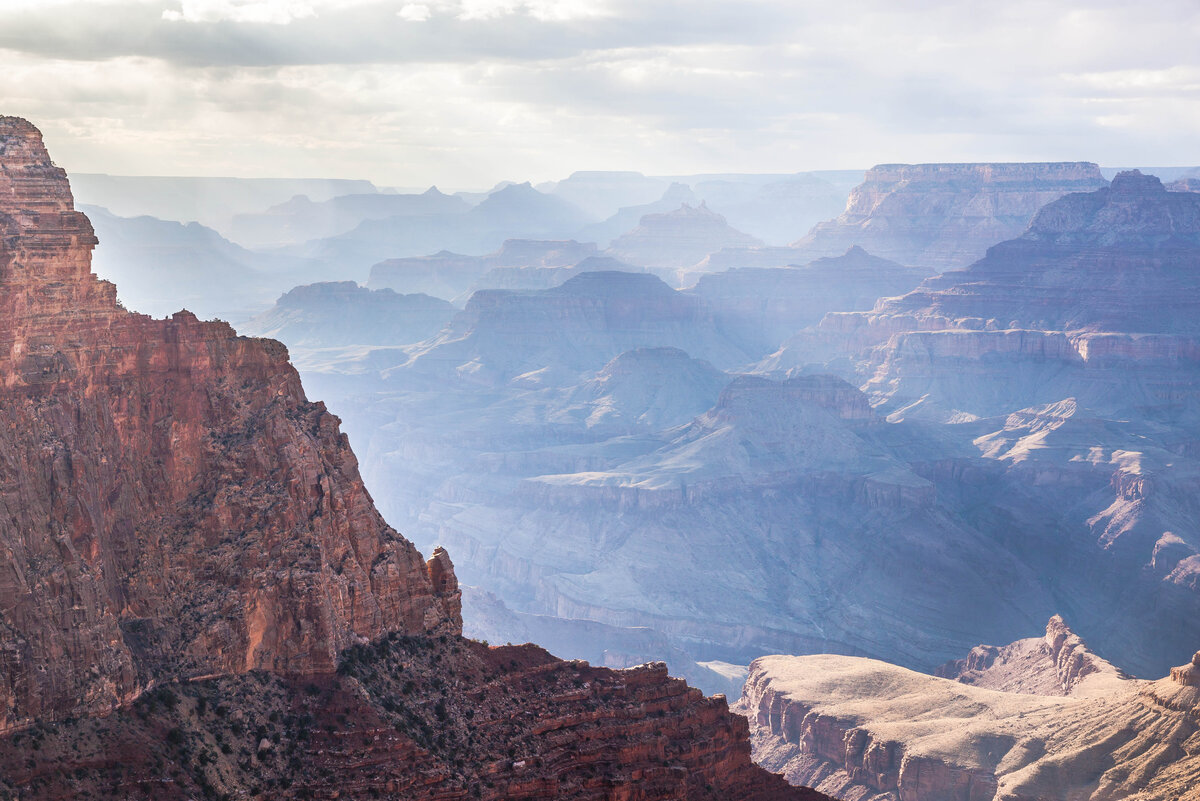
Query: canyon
pixel 807 452
pixel 198 596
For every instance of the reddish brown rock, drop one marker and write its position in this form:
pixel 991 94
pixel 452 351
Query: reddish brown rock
pixel 172 502
pixel 416 718
pixel 191 571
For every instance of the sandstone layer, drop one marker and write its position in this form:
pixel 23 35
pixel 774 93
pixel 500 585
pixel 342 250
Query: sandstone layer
pixel 869 731
pixel 1068 359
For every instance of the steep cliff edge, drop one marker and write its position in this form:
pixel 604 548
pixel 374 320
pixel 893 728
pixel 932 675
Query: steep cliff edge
pixel 172 502
pixel 198 597
pixel 866 730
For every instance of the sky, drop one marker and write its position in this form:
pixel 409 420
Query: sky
pixel 464 93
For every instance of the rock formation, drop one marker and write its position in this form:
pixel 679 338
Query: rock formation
pixel 576 327
pixel 198 597
pixel 678 239
pixel 1057 663
pixel 516 211
pixel 1068 358
pixel 161 266
pixel 943 216
pixel 174 505
pixel 861 729
pixel 761 307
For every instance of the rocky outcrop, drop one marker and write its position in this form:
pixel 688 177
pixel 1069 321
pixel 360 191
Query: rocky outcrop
pixel 443 275
pixel 1058 663
pixel 861 729
pixel 1188 675
pixel 577 326
pixel 198 597
pixel 173 503
pixel 943 216
pixel 406 717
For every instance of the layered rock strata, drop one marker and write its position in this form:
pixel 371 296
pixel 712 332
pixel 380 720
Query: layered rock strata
pixel 416 718
pixel 1057 663
pixel 1069 358
pixel 943 216
pixel 763 306
pixel 870 731
pixel 172 501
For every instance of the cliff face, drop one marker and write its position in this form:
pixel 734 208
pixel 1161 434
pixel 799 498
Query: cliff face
pixel 943 216
pixel 861 729
pixel 198 597
pixel 341 313
pixel 172 503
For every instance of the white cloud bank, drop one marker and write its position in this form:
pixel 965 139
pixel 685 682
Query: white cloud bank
pixel 465 92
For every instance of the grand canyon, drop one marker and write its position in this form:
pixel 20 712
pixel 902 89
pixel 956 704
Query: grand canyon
pixel 869 485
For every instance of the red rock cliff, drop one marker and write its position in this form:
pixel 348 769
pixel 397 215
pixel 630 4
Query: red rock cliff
pixel 173 511
pixel 170 503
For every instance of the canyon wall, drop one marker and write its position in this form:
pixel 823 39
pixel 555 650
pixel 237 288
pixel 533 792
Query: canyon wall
pixel 943 216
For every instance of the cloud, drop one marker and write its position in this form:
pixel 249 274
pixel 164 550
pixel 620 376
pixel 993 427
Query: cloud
pixel 272 12
pixel 414 12
pixel 486 89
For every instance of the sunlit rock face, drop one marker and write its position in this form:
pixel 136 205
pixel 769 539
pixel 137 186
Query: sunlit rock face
pixel 1042 718
pixel 943 216
pixel 158 474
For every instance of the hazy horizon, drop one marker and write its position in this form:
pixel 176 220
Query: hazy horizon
pixel 472 92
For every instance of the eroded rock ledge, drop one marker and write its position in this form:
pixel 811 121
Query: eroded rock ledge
pixel 868 731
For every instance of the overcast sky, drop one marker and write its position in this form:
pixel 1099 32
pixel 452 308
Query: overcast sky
pixel 463 93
